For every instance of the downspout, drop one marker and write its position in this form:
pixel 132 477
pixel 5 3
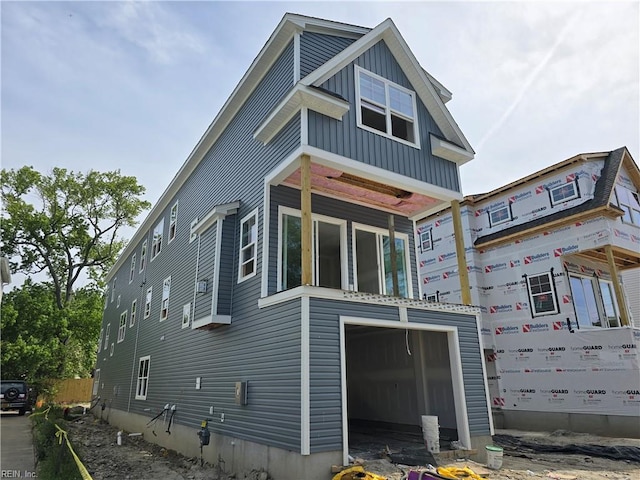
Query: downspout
pixel 305 204
pixel 622 307
pixel 465 290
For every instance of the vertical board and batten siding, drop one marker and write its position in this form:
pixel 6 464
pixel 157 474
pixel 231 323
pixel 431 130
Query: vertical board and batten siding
pixel 233 169
pixel 317 48
pixel 331 207
pixel 347 139
pixel 206 266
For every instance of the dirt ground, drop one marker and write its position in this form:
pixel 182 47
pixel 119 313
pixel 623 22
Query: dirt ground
pixel 137 459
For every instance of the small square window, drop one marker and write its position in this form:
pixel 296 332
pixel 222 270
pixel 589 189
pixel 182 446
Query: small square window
pixel 499 215
pixel 564 193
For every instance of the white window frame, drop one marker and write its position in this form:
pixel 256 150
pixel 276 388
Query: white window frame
pixel 574 195
pixel 113 289
pixel 432 297
pixel 387 108
pixel 186 315
pixel 147 302
pixel 192 234
pixel 142 382
pixel 118 302
pixel 380 233
pixel 132 270
pixel 426 240
pixel 286 211
pixel 252 244
pixel 500 220
pixel 100 340
pixel 164 305
pixel 143 256
pixel 122 327
pixel 106 338
pixel 629 202
pixel 551 291
pixel 173 218
pixel 96 382
pixel 598 300
pixel 134 311
pixel 156 239
pixel 111 350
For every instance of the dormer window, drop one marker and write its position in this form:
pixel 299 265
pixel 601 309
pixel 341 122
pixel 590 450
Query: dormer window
pixel 564 193
pixel 386 108
pixel 499 215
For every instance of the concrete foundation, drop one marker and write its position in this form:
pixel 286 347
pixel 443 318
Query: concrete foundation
pixel 234 455
pixel 604 425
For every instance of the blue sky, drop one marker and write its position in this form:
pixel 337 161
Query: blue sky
pixel 133 86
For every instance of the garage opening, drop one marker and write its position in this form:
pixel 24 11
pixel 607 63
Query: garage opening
pixel 394 377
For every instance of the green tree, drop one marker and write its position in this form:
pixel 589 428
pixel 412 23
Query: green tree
pixel 67 226
pixel 66 223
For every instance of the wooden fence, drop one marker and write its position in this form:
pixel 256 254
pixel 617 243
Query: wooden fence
pixel 73 390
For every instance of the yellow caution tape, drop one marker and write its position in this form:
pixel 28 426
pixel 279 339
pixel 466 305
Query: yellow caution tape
pixel 63 434
pixel 43 412
pixel 357 473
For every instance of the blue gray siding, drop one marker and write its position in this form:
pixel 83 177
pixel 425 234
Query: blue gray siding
pixel 346 139
pixel 206 266
pixel 317 48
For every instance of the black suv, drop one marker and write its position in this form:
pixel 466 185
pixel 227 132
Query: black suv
pixel 14 396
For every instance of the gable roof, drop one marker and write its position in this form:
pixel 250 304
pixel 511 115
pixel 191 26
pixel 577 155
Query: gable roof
pixel 600 201
pixel 422 82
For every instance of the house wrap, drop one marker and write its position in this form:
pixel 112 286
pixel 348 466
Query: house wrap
pixel 273 290
pixel 545 256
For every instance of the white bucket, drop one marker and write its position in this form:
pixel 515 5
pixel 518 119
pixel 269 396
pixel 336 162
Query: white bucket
pixel 431 433
pixel 494 457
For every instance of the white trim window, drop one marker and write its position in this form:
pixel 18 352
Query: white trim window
pixel 628 201
pixel 594 301
pixel 499 216
pixel 118 302
pixel 186 315
pixel 248 246
pixel 134 309
pixel 156 239
pixel 100 340
pixel 111 350
pixel 122 327
pixel 132 270
pixel 143 256
pixel 96 382
pixel 106 338
pixel 328 244
pixel 386 108
pixel 113 289
pixel 373 266
pixel 142 383
pixel 192 234
pixel 173 217
pixel 542 294
pixel 564 193
pixel 147 302
pixel 164 306
pixel 432 297
pixel 426 241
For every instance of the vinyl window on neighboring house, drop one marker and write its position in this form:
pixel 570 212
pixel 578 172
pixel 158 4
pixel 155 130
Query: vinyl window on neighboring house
pixel 426 242
pixel 164 308
pixel 499 215
pixel 122 327
pixel 564 193
pixel 132 270
pixel 106 338
pixel 186 315
pixel 113 289
pixel 594 301
pixel 96 382
pixel 147 303
pixel 156 240
pixel 173 218
pixel 328 246
pixel 248 246
pixel 118 302
pixel 100 340
pixel 629 202
pixel 386 108
pixel 134 308
pixel 142 384
pixel 143 256
pixel 192 234
pixel 374 266
pixel 542 294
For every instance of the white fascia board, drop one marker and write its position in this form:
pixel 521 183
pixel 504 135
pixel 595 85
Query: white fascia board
pixel 388 32
pixel 444 92
pixel 299 97
pixel 447 150
pixel 217 213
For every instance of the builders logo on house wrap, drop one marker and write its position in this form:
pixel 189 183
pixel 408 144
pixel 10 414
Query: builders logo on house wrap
pixel 441 222
pixel 506 330
pixel 500 308
pixel 538 257
pixel 514 263
pixel 635 238
pixel 431 279
pixel 559 326
pixel 449 274
pixel 474 269
pixel 545 186
pixel 558 252
pixel 535 327
pixel 446 256
pixel 621 234
pixel 520 196
pixel 496 267
pixel 427 262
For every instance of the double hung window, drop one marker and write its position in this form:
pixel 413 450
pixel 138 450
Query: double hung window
pixel 173 218
pixel 122 327
pixel 147 303
pixel 542 294
pixel 385 107
pixel 166 288
pixel 156 240
pixel 248 246
pixel 142 384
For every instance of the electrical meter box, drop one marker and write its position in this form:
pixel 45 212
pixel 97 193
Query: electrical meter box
pixel 241 393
